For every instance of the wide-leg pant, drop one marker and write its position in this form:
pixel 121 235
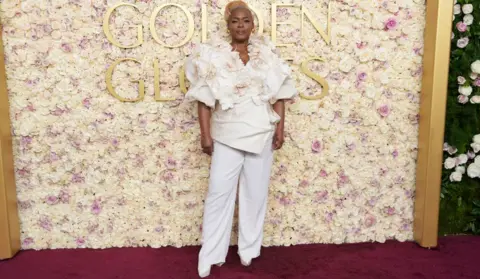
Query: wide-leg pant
pixel 251 172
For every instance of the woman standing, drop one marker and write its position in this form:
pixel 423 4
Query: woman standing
pixel 245 84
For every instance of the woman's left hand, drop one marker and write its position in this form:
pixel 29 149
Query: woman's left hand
pixel 278 139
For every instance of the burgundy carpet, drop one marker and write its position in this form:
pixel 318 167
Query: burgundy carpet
pixel 456 258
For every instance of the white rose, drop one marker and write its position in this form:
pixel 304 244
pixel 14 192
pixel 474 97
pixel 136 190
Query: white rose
pixel 473 76
pixel 381 54
pixel 461 80
pixel 467 9
pixel 371 91
pixel 455 177
pixel 457 9
pixel 365 55
pixel 475 67
pixel 462 159
pixel 346 64
pixel 477 160
pixel 460 169
pixel 473 170
pixel 475 99
pixel 476 138
pixel 465 90
pixel 450 163
pixel 475 146
pixel 468 19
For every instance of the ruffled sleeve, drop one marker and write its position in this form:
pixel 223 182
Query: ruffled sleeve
pixel 199 89
pixel 287 91
pixel 280 82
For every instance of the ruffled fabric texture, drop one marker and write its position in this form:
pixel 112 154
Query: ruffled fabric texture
pixel 217 74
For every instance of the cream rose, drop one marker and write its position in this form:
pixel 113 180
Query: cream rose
pixel 455 176
pixel 467 8
pixel 465 90
pixel 475 67
pixel 450 163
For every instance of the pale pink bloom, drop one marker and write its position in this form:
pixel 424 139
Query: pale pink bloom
pixel 96 207
pixel 462 99
pixel 477 82
pixel 384 110
pixel 52 200
pixel 390 24
pixel 463 42
pixel 316 146
pixel 461 26
pixel 370 220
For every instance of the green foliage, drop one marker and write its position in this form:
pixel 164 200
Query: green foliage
pixel 460 201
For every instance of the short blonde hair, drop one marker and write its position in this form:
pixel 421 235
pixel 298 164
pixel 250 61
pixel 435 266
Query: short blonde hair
pixel 232 6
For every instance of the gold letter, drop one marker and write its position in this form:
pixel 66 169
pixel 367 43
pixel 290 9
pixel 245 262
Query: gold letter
pixel 204 23
pixel 181 80
pixel 315 77
pixel 156 84
pixel 326 37
pixel 141 84
pixel 153 29
pixel 106 27
pixel 275 23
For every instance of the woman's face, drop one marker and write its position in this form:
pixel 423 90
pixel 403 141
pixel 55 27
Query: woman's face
pixel 240 24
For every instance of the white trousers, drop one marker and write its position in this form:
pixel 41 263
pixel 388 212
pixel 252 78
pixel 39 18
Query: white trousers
pixel 251 172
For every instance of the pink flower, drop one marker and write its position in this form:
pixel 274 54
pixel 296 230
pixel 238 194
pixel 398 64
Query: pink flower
pixel 323 173
pixel 362 76
pixel 78 178
pixel 64 197
pixel 66 47
pixel 316 146
pixel 45 223
pixel 80 241
pixel 171 163
pixel 28 241
pixel 96 207
pixel 462 99
pixel 461 80
pixel 384 110
pixel 321 196
pixel 304 183
pixel 395 154
pixel 390 24
pixel 477 82
pixel 390 211
pixel 86 103
pixel 370 220
pixel 52 200
pixel 461 26
pixel 463 42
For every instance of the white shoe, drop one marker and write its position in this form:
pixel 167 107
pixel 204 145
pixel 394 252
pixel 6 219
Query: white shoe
pixel 246 263
pixel 204 273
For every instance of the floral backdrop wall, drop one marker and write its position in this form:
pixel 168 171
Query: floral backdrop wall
pixel 92 171
pixel 460 204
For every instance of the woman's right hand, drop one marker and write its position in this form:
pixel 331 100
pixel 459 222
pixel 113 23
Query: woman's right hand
pixel 207 145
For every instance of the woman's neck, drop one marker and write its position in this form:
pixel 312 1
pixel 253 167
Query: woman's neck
pixel 239 45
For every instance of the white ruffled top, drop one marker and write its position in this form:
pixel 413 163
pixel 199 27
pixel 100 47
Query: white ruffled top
pixel 242 95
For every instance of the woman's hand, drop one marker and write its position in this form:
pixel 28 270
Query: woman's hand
pixel 278 139
pixel 207 145
pixel 204 115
